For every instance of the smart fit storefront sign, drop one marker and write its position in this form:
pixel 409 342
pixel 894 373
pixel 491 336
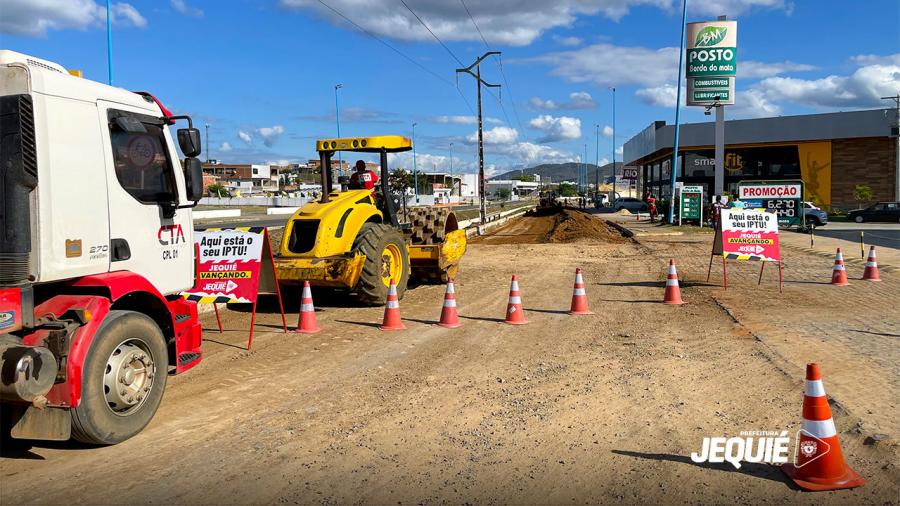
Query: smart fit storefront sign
pixel 711 62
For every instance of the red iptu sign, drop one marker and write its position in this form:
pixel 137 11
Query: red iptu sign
pixel 750 235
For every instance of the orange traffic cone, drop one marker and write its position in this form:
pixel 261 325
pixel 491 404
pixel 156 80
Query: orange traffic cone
pixel 392 311
pixel 449 316
pixel 579 296
pixel 839 274
pixel 515 315
pixel 673 291
pixel 306 323
pixel 819 462
pixel 871 272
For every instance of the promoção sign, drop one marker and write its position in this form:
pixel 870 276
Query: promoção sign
pixel 783 198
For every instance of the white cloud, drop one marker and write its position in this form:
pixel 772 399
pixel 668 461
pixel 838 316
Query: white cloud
pixel 529 154
pixel 662 96
pixel 539 103
pixel 620 151
pixel 35 18
pixel 561 128
pixel 496 135
pixel 577 100
pixel 874 59
pixel 182 7
pixel 225 147
pixel 126 15
pixel 463 120
pixel 863 88
pixel 604 161
pixel 270 134
pixel 752 103
pixel 606 65
pixel 607 131
pixel 504 22
pixel 244 136
pixel 753 69
pixel 568 41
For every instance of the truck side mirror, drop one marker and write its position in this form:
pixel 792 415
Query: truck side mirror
pixel 189 141
pixel 193 178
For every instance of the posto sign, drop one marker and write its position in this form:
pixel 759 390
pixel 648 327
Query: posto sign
pixel 711 62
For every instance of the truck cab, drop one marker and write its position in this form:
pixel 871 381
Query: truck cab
pixel 96 244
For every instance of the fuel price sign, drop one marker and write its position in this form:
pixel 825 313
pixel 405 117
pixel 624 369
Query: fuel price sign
pixel 785 198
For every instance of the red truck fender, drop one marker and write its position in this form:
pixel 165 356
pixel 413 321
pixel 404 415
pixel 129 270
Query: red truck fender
pixel 122 290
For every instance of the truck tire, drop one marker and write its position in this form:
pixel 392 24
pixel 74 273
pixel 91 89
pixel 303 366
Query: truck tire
pixel 123 379
pixel 386 258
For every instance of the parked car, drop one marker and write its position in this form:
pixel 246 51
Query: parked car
pixel 882 211
pixel 632 204
pixel 815 217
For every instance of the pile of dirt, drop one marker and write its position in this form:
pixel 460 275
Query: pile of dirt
pixel 623 212
pixel 553 225
pixel 577 226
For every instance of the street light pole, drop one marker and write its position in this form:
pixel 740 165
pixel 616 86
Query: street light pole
pixel 207 143
pixel 613 196
pixel 597 162
pixel 415 169
pixel 337 117
pixel 451 170
pixel 109 65
pixel 720 128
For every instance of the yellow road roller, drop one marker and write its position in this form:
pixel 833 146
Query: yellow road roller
pixel 355 239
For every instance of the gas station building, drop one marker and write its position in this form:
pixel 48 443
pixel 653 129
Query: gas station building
pixel 831 153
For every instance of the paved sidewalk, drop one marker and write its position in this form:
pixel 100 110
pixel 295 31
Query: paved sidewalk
pixel 888 258
pixel 852 330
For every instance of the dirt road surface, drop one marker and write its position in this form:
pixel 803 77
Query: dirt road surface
pixel 597 409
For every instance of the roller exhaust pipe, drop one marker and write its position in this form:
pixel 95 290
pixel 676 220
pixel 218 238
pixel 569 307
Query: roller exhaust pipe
pixel 27 373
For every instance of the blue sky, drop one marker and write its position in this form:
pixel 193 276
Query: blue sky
pixel 262 73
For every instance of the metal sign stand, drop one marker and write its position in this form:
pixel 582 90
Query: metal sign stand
pixel 717 251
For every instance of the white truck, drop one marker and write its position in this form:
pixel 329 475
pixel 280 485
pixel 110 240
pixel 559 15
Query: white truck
pixel 96 244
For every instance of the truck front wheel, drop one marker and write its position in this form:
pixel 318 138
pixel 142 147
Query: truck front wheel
pixel 122 380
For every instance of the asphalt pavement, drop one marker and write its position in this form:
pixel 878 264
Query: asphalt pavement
pixel 882 235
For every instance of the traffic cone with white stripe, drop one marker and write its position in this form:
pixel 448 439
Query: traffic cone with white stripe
pixel 306 322
pixel 449 316
pixel 392 311
pixel 839 273
pixel 673 291
pixel 515 315
pixel 579 296
pixel 819 462
pixel 871 272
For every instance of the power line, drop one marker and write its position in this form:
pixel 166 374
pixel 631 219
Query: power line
pixel 499 64
pixel 422 22
pixel 401 53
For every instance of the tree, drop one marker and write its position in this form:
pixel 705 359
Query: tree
pixel 400 180
pixel 567 189
pixel 527 178
pixel 862 193
pixel 503 193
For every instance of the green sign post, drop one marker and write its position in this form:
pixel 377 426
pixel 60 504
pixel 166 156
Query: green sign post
pixel 691 204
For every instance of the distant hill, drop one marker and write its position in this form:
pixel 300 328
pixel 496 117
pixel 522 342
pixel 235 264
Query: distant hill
pixel 561 171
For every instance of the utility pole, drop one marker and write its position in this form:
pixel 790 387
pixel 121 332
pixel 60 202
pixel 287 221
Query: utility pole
pixel 337 117
pixel 207 143
pixel 895 132
pixel 587 185
pixel 479 83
